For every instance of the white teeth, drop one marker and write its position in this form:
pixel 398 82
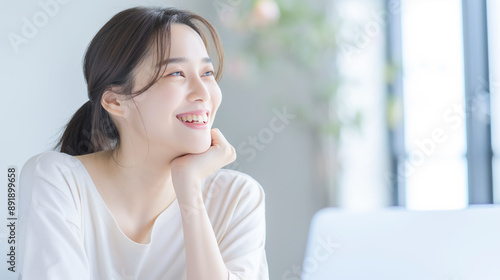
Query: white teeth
pixel 194 118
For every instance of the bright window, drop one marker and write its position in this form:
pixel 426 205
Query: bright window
pixel 434 104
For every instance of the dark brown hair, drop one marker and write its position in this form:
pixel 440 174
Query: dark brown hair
pixel 111 58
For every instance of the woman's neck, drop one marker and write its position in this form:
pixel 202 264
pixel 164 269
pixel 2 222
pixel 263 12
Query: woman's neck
pixel 139 185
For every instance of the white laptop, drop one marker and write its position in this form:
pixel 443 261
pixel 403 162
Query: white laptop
pixel 397 244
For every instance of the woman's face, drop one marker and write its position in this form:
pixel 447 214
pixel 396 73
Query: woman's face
pixel 178 111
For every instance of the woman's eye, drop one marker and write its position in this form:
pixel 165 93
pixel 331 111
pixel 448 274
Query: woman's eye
pixel 208 73
pixel 178 73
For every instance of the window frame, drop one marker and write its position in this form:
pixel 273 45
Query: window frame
pixel 477 95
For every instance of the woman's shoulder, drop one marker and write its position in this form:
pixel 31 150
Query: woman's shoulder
pixel 48 162
pixel 233 184
pixel 49 181
pixel 49 172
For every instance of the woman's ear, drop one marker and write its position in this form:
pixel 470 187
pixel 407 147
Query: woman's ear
pixel 114 103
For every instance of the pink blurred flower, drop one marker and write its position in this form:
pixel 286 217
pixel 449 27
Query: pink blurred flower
pixel 265 12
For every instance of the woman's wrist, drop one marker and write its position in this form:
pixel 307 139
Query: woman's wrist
pixel 186 184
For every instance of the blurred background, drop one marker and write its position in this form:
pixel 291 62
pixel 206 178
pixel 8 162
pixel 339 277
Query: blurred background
pixel 358 104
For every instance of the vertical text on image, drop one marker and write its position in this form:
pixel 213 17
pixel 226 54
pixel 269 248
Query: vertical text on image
pixel 11 218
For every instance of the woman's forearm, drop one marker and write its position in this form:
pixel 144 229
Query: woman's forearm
pixel 203 257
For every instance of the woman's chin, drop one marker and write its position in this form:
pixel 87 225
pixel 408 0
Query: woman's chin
pixel 198 148
pixel 198 151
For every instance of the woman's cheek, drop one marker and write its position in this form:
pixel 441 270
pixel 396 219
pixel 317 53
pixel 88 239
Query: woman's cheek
pixel 216 101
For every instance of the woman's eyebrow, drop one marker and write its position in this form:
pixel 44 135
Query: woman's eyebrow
pixel 206 60
pixel 182 60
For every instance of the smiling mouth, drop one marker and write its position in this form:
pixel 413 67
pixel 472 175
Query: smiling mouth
pixel 193 118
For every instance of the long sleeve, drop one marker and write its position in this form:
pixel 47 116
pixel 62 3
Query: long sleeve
pixel 243 243
pixel 50 229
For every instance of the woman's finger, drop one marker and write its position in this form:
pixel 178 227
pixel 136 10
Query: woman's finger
pixel 219 140
pixel 217 137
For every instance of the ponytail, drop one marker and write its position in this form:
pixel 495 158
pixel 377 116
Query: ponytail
pixel 76 139
pixel 88 131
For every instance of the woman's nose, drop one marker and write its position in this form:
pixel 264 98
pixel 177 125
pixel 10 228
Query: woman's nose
pixel 199 91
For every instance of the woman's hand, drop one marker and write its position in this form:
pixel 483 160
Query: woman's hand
pixel 198 166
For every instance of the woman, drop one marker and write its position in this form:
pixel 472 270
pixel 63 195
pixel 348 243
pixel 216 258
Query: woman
pixel 137 191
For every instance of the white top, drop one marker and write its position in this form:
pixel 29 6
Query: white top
pixel 67 232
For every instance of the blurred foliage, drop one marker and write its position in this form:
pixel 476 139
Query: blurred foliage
pixel 394 100
pixel 297 32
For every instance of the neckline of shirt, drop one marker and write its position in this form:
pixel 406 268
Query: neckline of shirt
pixel 165 214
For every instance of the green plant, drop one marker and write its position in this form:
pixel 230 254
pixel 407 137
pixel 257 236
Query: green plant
pixel 306 36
